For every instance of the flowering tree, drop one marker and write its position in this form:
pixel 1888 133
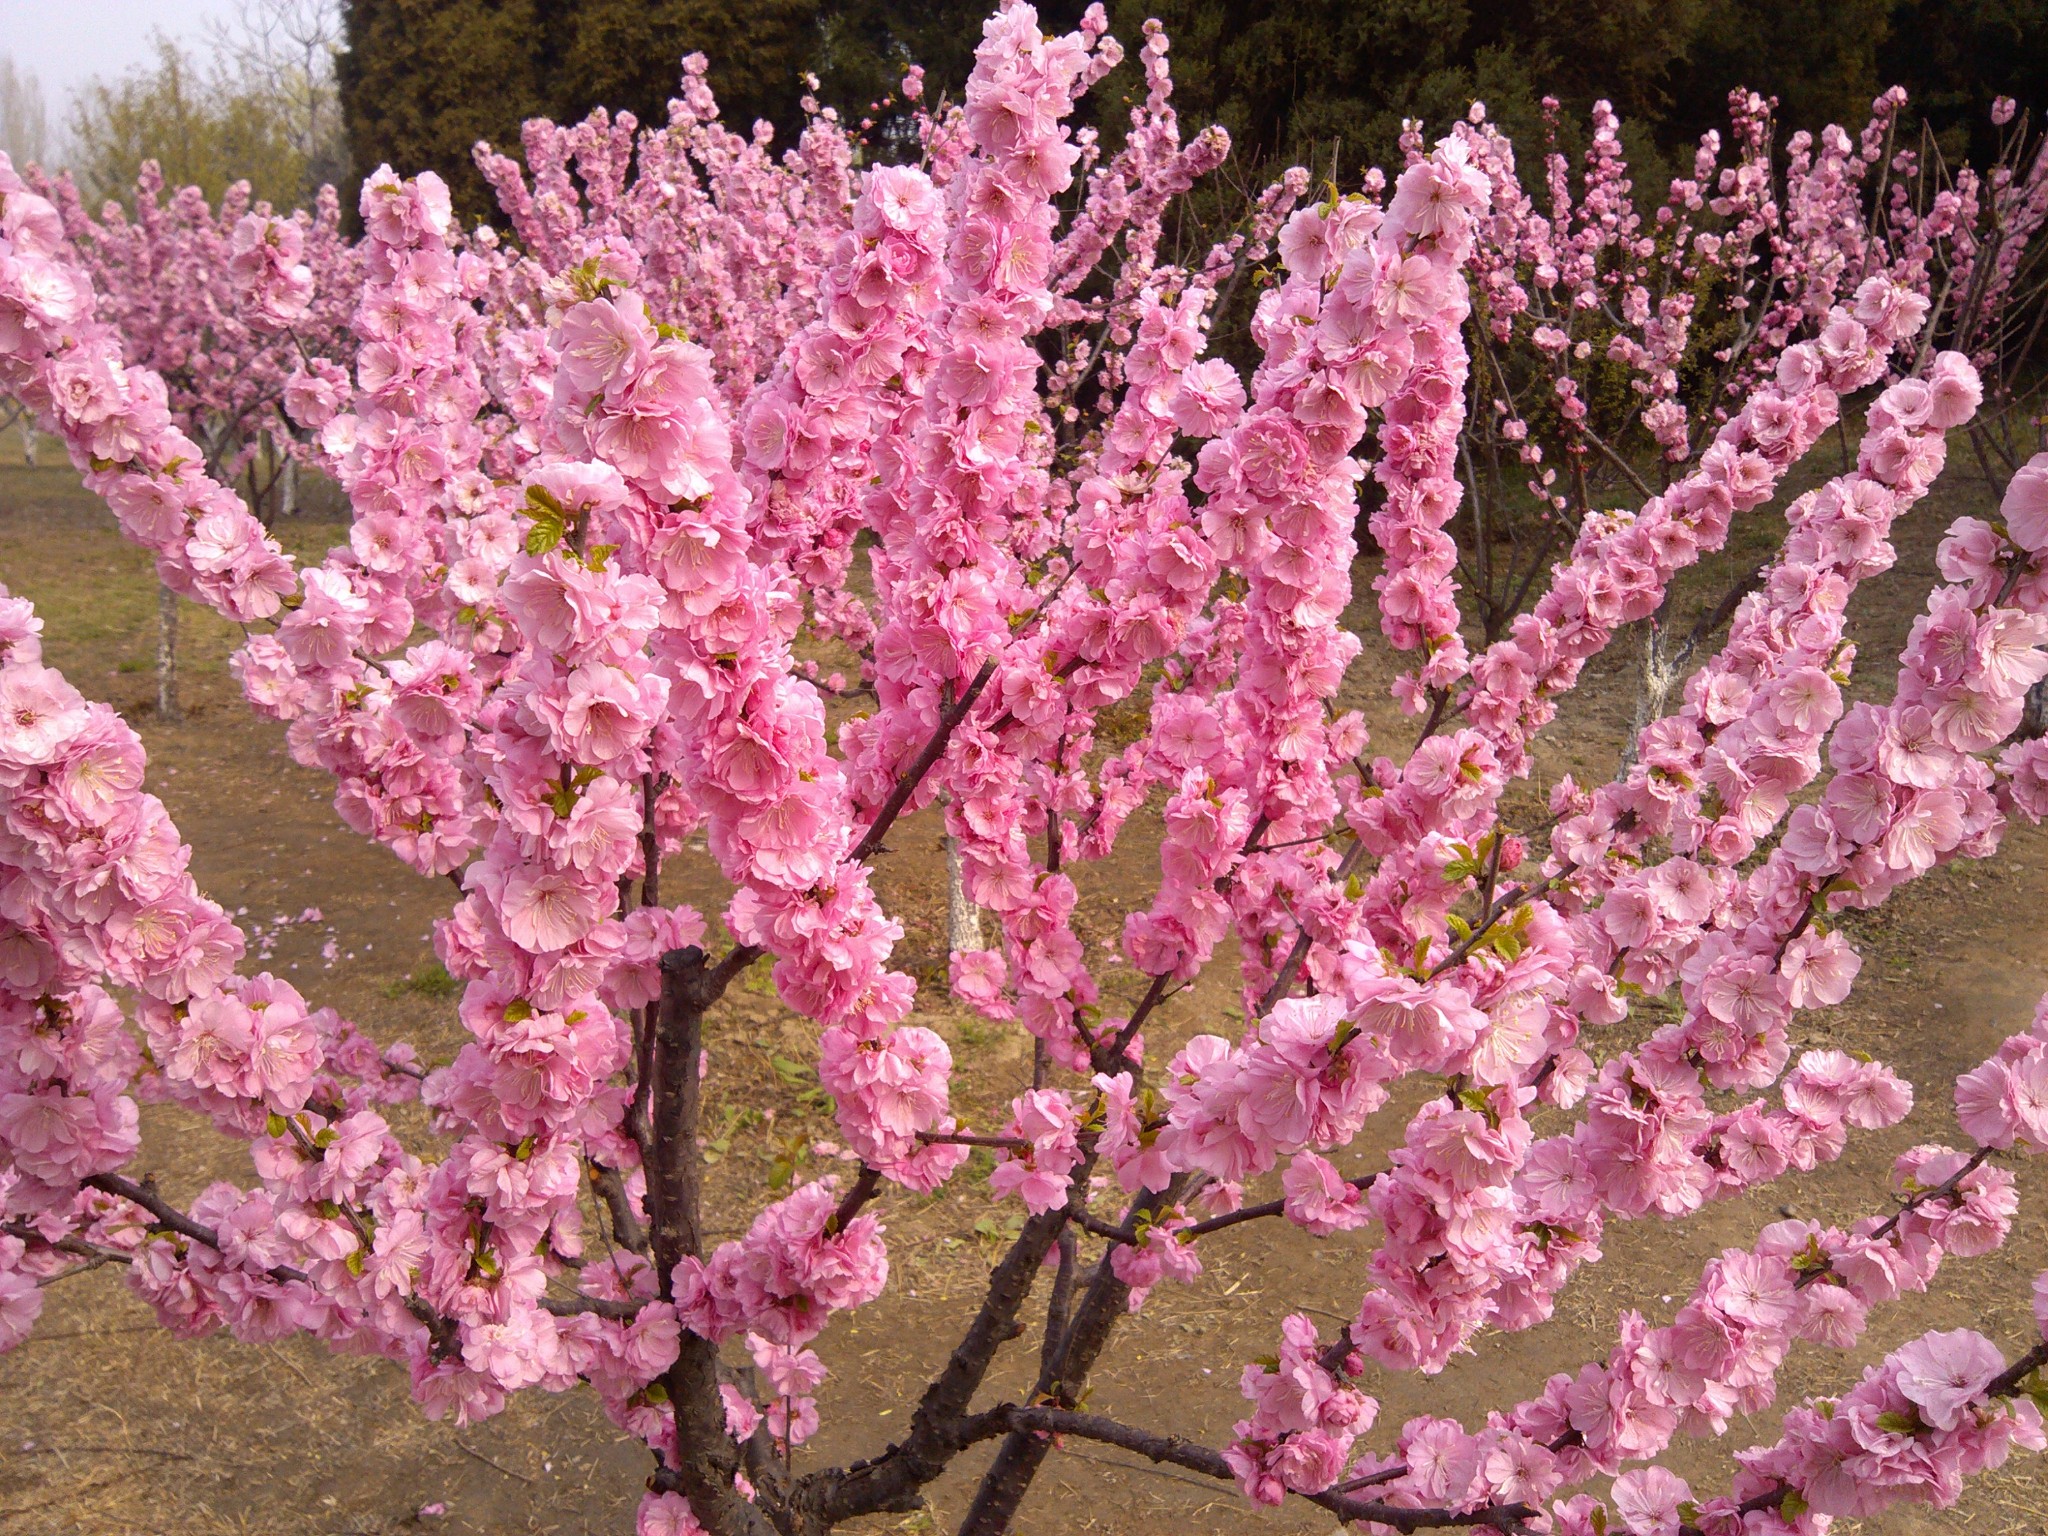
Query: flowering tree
pixel 179 281
pixel 1611 342
pixel 222 305
pixel 540 684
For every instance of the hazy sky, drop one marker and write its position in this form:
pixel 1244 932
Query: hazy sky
pixel 66 42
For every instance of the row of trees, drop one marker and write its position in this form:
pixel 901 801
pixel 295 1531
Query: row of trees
pixel 289 94
pixel 1299 81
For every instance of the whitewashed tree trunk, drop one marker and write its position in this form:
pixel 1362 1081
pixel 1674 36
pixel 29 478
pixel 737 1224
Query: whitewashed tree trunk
pixel 963 917
pixel 288 491
pixel 27 426
pixel 167 655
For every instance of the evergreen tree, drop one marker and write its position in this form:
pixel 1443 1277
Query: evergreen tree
pixel 1327 82
pixel 626 54
pixel 1818 57
pixel 1954 56
pixel 422 80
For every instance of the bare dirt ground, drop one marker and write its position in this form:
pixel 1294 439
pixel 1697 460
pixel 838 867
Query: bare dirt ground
pixel 108 1425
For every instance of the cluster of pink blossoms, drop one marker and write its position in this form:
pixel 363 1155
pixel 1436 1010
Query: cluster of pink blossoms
pixel 610 483
pixel 1744 991
pixel 1718 1357
pixel 812 429
pixel 751 750
pixel 428 545
pixel 269 273
pixel 68 367
pixel 99 894
pixel 223 303
pixel 717 234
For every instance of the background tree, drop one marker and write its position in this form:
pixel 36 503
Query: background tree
pixel 24 118
pixel 1953 54
pixel 283 52
pixel 1818 57
pixel 623 54
pixel 422 80
pixel 258 106
pixel 1324 78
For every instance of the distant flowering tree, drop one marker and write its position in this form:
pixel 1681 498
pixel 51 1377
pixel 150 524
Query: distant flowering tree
pixel 1612 339
pixel 223 305
pixel 560 641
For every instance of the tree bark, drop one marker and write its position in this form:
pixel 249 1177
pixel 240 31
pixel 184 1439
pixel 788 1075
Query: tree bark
pixel 940 1429
pixel 706 1460
pixel 167 655
pixel 1662 662
pixel 1063 1371
pixel 963 917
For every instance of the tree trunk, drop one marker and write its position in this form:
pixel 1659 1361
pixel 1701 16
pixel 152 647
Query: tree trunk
pixel 1655 674
pixel 28 440
pixel 1664 661
pixel 963 917
pixel 167 655
pixel 1064 1365
pixel 706 1460
pixel 289 495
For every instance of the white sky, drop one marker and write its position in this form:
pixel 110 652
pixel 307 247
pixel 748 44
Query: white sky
pixel 66 42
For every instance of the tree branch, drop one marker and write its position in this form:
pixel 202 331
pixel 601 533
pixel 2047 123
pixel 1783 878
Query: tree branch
pixel 921 765
pixel 170 1219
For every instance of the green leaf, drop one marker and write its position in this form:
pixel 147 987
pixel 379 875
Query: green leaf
pixel 544 535
pixel 1810 1257
pixel 1899 1423
pixel 585 280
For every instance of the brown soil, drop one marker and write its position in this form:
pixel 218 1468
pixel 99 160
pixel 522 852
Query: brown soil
pixel 108 1425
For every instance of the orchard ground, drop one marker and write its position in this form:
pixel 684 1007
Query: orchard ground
pixel 107 1424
